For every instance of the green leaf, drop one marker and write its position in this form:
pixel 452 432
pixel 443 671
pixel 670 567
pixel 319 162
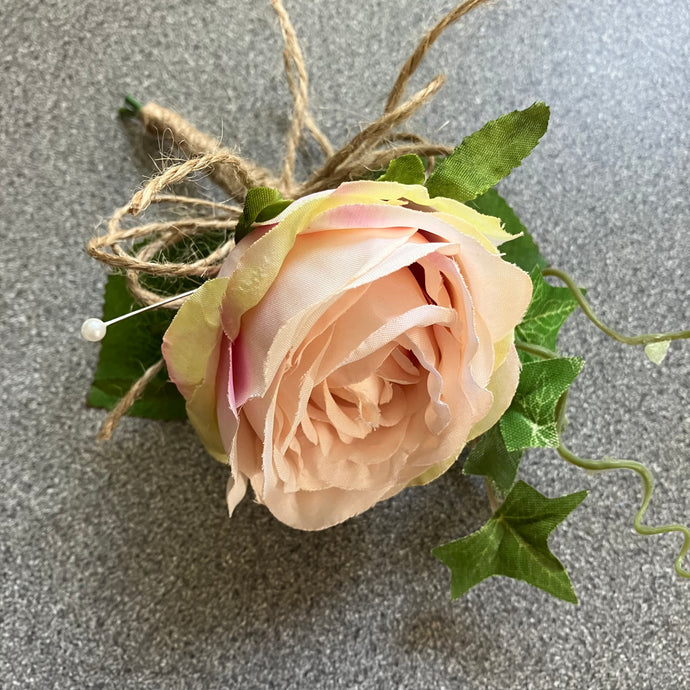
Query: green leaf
pixel 487 156
pixel 490 458
pixel 656 352
pixel 530 421
pixel 514 544
pixel 407 169
pixel 522 251
pixel 548 310
pixel 261 204
pixel 128 349
pixel 272 210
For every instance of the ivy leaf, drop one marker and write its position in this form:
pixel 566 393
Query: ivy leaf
pixel 487 156
pixel 490 458
pixel 513 543
pixel 261 204
pixel 128 349
pixel 522 251
pixel 548 310
pixel 530 421
pixel 407 169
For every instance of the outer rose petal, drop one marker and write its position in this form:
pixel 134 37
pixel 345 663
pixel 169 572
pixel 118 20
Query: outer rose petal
pixel 502 385
pixel 191 348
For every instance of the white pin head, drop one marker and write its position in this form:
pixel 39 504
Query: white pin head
pixel 93 330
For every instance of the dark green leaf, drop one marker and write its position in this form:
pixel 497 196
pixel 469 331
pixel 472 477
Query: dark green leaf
pixel 407 169
pixel 272 210
pixel 128 349
pixel 547 312
pixel 521 251
pixel 514 544
pixel 530 421
pixel 487 156
pixel 260 201
pixel 489 458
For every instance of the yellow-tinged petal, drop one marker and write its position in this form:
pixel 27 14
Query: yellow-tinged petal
pixel 467 229
pixel 501 349
pixel 488 225
pixel 435 471
pixel 368 190
pixel 191 347
pixel 198 323
pixel 260 264
pixel 201 409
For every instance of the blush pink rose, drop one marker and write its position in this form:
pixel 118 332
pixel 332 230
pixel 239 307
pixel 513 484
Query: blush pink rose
pixel 350 348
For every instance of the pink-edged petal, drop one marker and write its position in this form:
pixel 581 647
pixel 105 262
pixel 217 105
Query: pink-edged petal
pixel 228 423
pixel 300 297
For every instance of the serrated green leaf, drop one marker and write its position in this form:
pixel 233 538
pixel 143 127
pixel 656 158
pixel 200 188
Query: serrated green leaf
pixel 530 421
pixel 128 349
pixel 407 169
pixel 522 251
pixel 548 310
pixel 513 543
pixel 487 156
pixel 264 202
pixel 490 458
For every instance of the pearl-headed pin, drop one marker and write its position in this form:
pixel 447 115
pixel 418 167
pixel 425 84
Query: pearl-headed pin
pixel 94 329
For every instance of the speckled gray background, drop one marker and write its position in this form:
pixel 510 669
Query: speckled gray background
pixel 119 566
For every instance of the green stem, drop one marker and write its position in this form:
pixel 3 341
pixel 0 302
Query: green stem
pixel 536 350
pixel 560 413
pixel 643 339
pixel 493 499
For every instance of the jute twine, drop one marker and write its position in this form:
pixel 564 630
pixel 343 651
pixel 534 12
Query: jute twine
pixel 371 149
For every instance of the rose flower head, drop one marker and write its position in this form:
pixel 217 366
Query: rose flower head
pixel 349 348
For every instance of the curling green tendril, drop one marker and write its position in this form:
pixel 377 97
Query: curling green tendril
pixel 648 481
pixel 645 475
pixel 612 463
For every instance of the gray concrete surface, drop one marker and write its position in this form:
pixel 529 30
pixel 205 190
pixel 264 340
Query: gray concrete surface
pixel 119 566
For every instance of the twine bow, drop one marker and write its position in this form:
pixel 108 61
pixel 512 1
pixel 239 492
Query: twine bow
pixel 135 249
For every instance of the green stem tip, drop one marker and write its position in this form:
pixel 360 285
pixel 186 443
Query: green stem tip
pixel 131 108
pixel 133 103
